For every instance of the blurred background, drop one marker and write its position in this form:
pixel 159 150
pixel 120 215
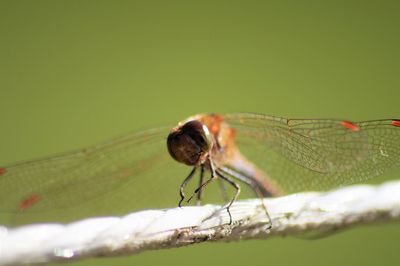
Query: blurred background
pixel 74 73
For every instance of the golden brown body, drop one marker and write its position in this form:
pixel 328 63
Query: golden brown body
pixel 207 142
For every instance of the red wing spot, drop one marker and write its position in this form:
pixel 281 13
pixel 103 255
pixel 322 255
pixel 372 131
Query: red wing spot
pixel 350 125
pixel 396 123
pixel 2 171
pixel 28 202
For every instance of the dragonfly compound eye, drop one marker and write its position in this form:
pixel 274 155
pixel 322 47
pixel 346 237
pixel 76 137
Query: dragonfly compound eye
pixel 188 143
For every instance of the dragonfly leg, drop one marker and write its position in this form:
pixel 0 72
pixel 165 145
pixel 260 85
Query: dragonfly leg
pixel 183 185
pixel 212 178
pixel 236 186
pixel 248 181
pixel 200 194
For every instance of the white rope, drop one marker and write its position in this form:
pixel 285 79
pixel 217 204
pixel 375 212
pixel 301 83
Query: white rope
pixel 309 212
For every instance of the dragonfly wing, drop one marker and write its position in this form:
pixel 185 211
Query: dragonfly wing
pixel 318 154
pixel 110 178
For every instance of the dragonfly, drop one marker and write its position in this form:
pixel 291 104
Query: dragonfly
pixel 272 156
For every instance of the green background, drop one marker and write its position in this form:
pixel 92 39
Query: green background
pixel 75 73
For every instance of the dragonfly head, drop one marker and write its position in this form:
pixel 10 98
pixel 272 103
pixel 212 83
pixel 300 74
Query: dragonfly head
pixel 190 143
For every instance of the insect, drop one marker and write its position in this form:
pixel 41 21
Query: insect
pixel 271 155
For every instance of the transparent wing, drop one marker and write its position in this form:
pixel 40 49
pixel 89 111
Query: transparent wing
pixel 135 172
pixel 317 154
pixel 128 173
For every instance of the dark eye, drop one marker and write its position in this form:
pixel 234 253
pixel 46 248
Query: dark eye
pixel 199 133
pixel 188 142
